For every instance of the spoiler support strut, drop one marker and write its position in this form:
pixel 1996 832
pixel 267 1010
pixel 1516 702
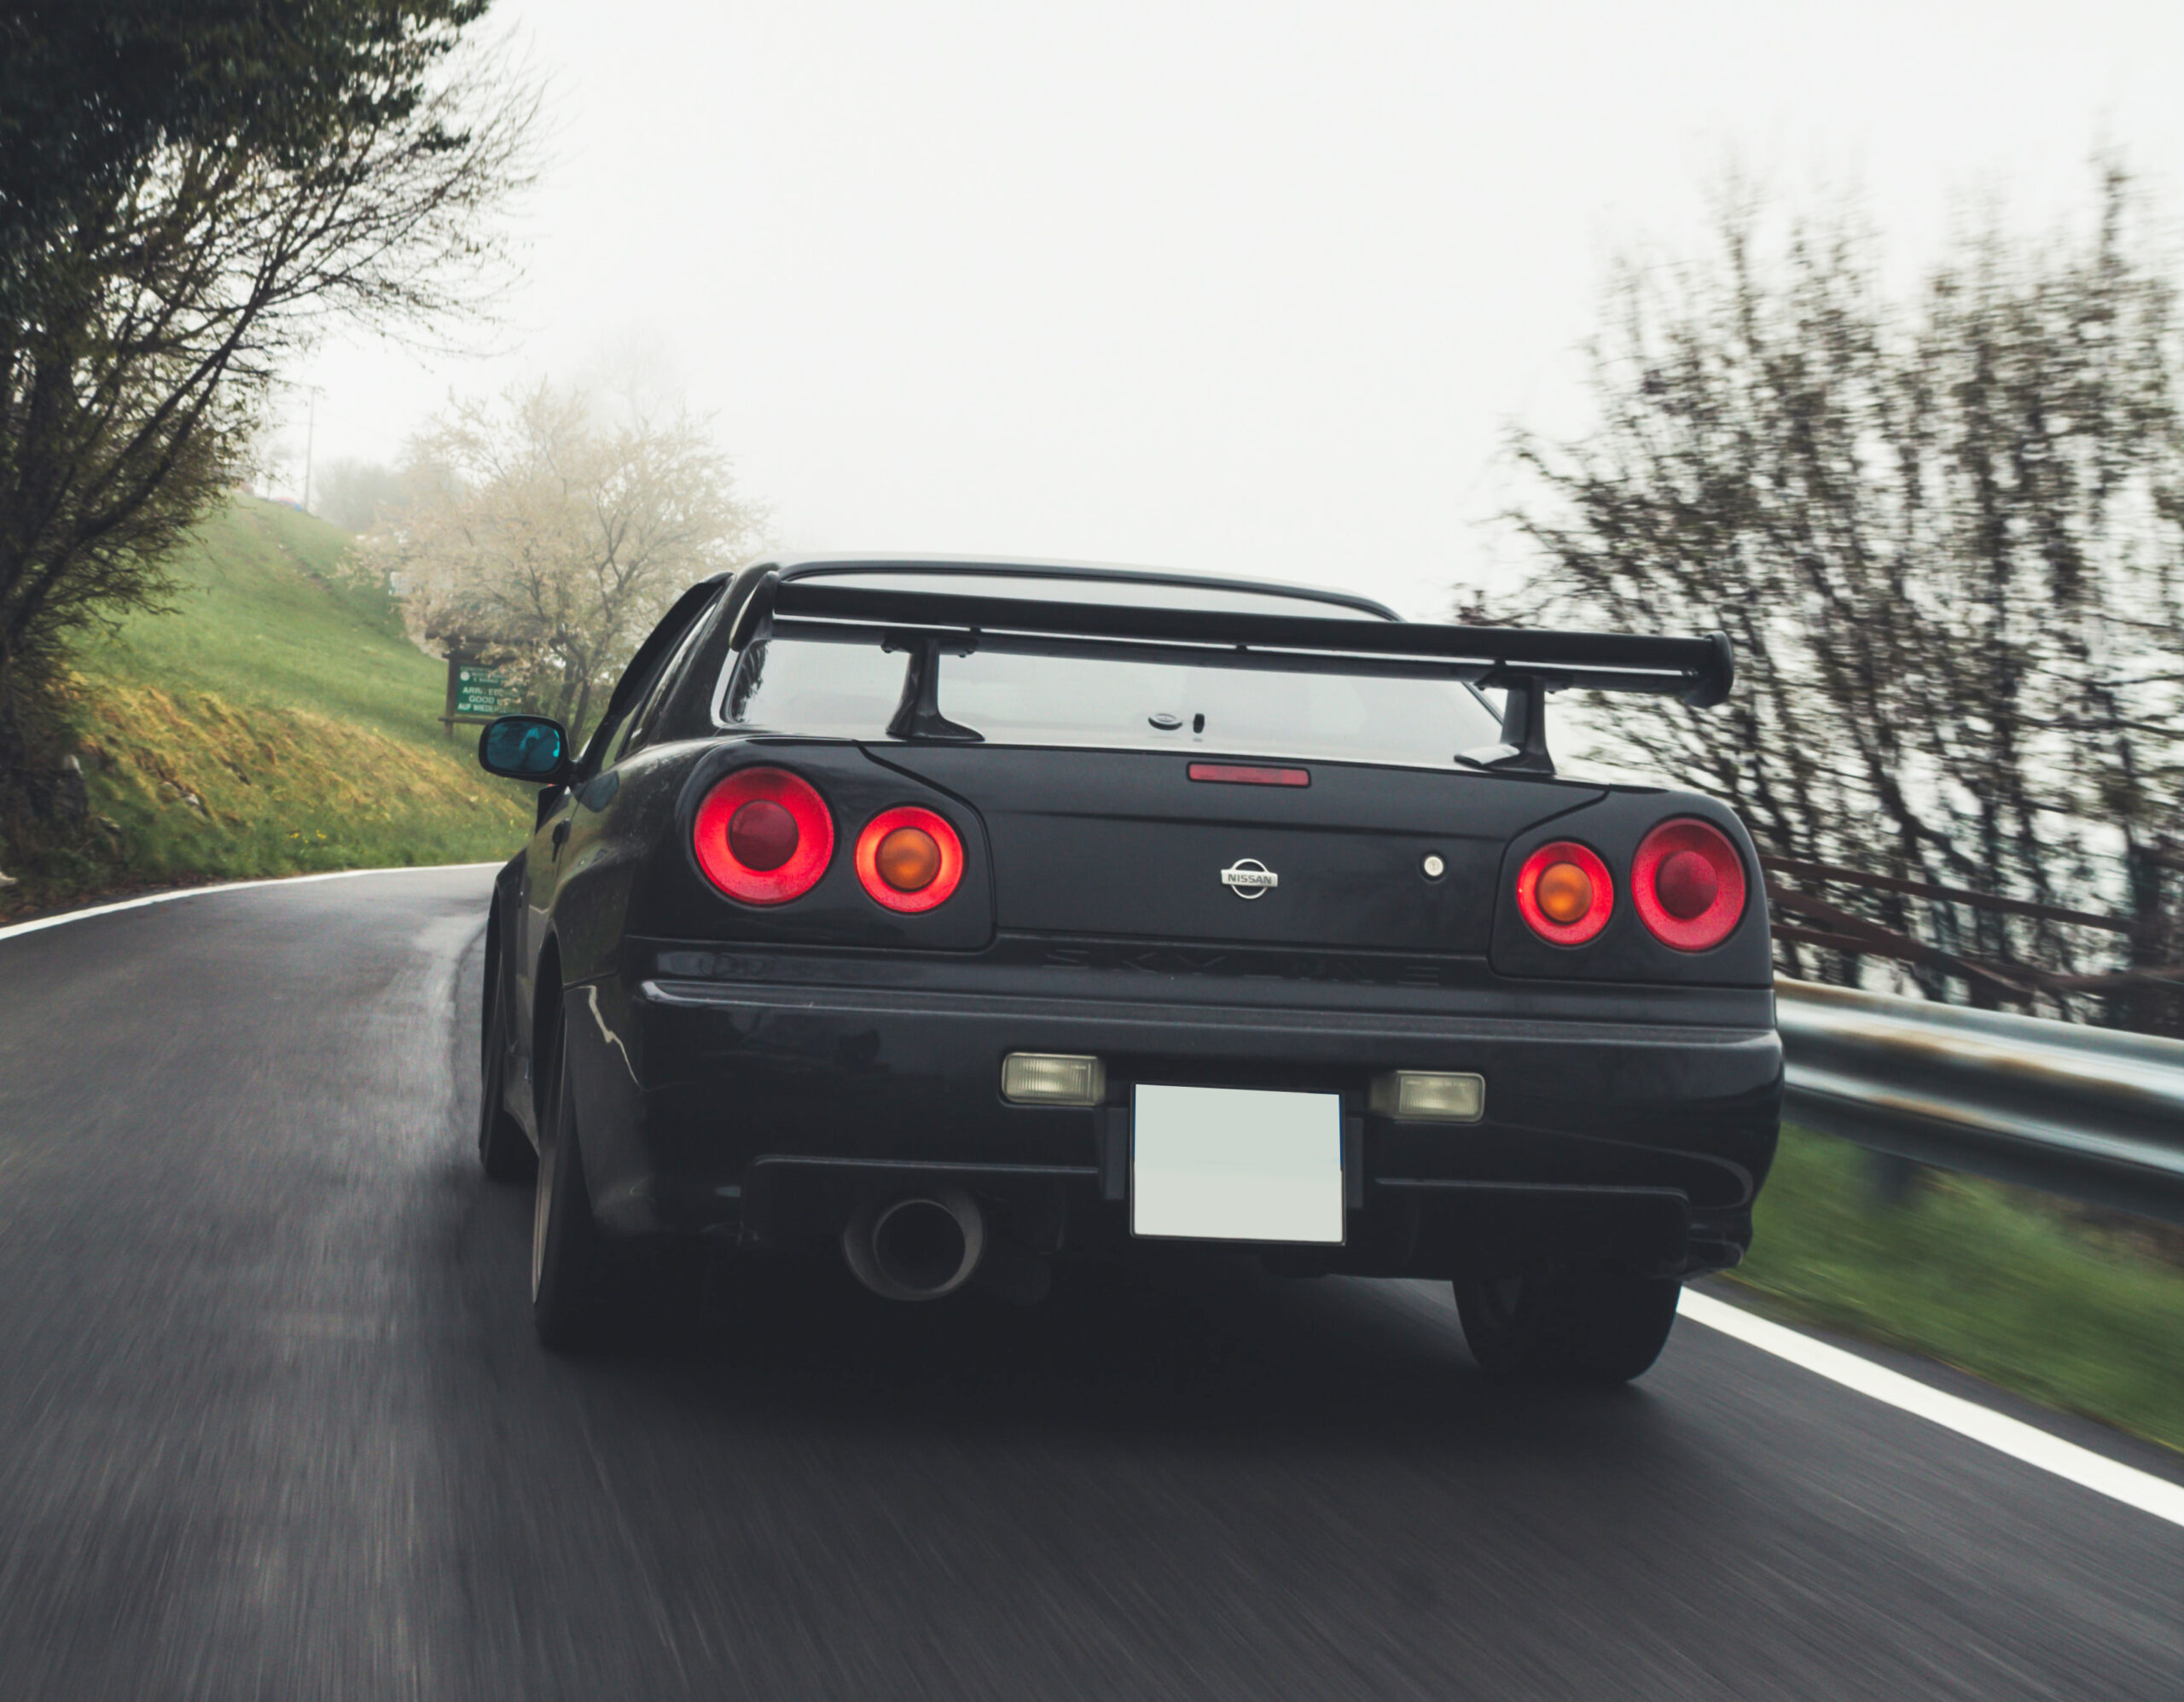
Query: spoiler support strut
pixel 918 716
pixel 1524 723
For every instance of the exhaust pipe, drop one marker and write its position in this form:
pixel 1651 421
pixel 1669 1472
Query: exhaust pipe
pixel 916 1246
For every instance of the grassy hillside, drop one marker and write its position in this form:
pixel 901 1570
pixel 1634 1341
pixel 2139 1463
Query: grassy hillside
pixel 278 721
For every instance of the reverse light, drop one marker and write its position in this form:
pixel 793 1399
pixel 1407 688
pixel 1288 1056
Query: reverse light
pixel 1687 882
pixel 764 836
pixel 909 859
pixel 1565 892
pixel 1423 1096
pixel 1052 1078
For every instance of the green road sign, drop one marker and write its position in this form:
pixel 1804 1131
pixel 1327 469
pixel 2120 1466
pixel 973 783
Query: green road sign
pixel 484 691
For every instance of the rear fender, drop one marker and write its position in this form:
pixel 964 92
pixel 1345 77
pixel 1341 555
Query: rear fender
pixel 604 1061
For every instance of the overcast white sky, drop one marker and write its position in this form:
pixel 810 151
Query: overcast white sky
pixel 1250 288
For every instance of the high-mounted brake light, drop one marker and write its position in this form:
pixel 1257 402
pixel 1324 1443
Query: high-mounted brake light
pixel 1564 892
pixel 1235 774
pixel 764 836
pixel 1687 882
pixel 909 859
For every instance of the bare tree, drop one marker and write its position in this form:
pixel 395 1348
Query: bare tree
pixel 551 533
pixel 205 193
pixel 1947 537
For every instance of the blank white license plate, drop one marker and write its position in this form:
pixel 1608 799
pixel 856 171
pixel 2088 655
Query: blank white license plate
pixel 1235 1165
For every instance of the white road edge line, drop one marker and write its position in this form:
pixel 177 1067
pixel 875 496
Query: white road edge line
pixel 2012 1437
pixel 9 933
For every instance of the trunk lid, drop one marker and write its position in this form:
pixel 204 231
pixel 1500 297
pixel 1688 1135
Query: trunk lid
pixel 1125 844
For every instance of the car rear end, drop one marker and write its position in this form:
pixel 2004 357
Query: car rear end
pixel 1152 948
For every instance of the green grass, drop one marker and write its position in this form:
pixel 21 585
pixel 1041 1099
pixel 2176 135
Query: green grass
pixel 2069 1310
pixel 282 696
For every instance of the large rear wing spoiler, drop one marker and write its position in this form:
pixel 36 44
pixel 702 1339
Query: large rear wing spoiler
pixel 1525 662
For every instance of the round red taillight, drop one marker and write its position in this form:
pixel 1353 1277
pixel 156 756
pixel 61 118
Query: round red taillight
pixel 1687 882
pixel 1565 892
pixel 909 859
pixel 765 836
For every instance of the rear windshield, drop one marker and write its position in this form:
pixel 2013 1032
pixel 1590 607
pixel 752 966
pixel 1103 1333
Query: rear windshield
pixel 851 691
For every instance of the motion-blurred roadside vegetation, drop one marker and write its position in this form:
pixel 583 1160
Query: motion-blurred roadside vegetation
pixel 1944 528
pixel 2078 1309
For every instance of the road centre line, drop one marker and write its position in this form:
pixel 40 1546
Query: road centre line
pixel 9 933
pixel 2013 1437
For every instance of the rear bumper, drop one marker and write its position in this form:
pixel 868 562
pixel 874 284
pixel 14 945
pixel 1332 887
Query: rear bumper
pixel 766 1109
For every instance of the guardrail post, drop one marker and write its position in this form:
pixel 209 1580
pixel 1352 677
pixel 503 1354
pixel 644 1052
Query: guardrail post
pixel 1892 1179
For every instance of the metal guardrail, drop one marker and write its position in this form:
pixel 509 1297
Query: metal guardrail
pixel 2087 1112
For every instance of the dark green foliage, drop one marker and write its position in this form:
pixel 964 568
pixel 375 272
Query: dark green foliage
pixel 187 191
pixel 90 89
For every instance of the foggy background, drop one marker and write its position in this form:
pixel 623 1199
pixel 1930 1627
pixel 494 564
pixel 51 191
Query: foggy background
pixel 1244 289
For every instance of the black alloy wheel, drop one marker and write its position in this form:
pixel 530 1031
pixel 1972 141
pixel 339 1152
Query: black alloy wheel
pixel 1597 1324
pixel 566 1288
pixel 503 1149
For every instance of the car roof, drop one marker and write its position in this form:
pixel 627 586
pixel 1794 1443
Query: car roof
pixel 1110 574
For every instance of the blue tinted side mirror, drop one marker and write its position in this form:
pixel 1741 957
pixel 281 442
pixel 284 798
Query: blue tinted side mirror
pixel 525 747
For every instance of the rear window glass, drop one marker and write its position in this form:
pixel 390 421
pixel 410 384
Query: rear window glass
pixel 850 690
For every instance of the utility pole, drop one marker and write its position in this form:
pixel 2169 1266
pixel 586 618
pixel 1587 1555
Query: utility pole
pixel 311 428
pixel 310 436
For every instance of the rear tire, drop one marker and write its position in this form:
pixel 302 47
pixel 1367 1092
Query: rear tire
pixel 566 1291
pixel 504 1151
pixel 1596 1324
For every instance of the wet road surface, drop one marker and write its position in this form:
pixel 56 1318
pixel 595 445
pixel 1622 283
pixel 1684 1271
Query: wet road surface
pixel 272 1425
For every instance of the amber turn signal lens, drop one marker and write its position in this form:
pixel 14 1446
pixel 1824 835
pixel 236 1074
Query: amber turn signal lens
pixel 1565 892
pixel 909 859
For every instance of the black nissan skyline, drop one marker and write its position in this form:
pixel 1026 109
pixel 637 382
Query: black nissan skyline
pixel 953 918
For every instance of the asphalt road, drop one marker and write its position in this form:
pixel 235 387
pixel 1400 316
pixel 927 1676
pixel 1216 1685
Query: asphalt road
pixel 272 1425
